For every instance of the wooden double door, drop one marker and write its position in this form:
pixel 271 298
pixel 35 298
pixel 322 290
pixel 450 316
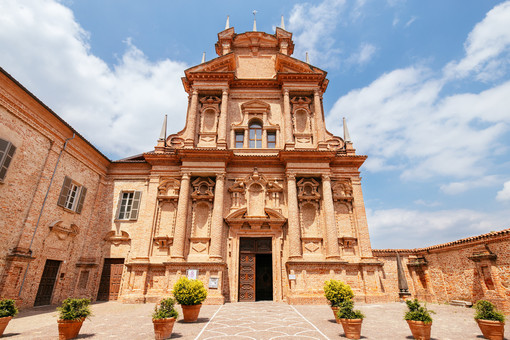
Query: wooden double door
pixel 255 269
pixel 111 278
pixel 47 283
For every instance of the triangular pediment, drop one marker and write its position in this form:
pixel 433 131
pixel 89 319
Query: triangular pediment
pixel 224 63
pixel 286 64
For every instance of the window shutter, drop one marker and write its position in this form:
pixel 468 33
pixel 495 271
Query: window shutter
pixel 119 203
pixel 6 153
pixel 136 205
pixel 64 192
pixel 83 192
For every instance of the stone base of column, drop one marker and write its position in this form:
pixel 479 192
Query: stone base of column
pixel 221 145
pixel 177 258
pixel 334 257
pixel 290 146
pixel 215 258
pixel 189 144
pixel 295 257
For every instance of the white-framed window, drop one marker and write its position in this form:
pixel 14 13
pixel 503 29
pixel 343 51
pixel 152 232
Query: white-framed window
pixel 6 153
pixel 128 205
pixel 72 195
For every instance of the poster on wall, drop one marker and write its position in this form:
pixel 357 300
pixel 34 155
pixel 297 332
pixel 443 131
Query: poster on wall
pixel 192 274
pixel 213 282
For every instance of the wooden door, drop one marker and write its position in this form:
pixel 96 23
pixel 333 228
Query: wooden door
pixel 48 279
pixel 115 278
pixel 247 277
pixel 111 277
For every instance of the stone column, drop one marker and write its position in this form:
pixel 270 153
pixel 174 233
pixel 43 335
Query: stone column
pixel 332 250
pixel 222 125
pixel 287 117
pixel 319 118
pixel 293 220
pixel 182 217
pixel 192 120
pixel 217 219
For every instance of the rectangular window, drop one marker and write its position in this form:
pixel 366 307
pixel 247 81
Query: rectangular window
pixel 255 138
pixel 6 153
pixel 271 139
pixel 128 205
pixel 239 139
pixel 72 195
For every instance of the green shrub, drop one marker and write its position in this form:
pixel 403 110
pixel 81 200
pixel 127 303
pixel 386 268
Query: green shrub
pixel 346 311
pixel 165 310
pixel 189 292
pixel 337 291
pixel 485 311
pixel 417 312
pixel 8 308
pixel 74 309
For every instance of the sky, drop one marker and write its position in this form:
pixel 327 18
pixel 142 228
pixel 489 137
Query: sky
pixel 424 85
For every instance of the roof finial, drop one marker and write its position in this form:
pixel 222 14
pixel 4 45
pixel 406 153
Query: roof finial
pixel 307 59
pixel 162 135
pixel 227 25
pixel 282 24
pixel 203 58
pixel 347 137
pixel 254 21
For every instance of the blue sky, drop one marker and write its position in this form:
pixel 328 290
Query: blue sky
pixel 425 86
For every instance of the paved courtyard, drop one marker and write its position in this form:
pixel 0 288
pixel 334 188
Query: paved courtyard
pixel 257 320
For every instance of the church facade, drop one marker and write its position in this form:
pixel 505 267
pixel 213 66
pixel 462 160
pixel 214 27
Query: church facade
pixel 254 197
pixel 254 194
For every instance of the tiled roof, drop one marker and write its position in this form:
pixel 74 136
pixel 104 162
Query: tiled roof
pixel 487 236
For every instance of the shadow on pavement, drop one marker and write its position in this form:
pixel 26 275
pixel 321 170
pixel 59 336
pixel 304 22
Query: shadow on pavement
pixel 6 335
pixel 199 320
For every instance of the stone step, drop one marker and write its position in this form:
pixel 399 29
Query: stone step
pixel 461 303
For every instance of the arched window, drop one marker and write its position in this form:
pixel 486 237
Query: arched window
pixel 255 134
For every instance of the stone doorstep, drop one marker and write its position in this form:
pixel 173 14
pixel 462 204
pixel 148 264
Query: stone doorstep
pixel 461 303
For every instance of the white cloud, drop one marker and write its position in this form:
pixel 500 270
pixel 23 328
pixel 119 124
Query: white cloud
pixel 455 188
pixel 504 194
pixel 487 47
pixel 312 26
pixel 49 51
pixel 410 21
pixel 364 54
pixel 401 228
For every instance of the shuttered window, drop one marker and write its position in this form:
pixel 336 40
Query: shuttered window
pixel 72 195
pixel 128 205
pixel 6 153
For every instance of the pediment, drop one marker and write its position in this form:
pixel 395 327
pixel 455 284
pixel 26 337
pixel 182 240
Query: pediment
pixel 224 63
pixel 288 64
pixel 239 219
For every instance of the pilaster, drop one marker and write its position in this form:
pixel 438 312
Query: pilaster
pixel 217 219
pixel 293 219
pixel 192 121
pixel 222 128
pixel 332 250
pixel 182 217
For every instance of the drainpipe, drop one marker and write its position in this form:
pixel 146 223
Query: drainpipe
pixel 41 211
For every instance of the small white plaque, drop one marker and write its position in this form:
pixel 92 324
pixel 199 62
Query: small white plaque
pixel 292 276
pixel 213 282
pixel 192 274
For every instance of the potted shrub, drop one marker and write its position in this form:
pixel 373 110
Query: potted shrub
pixel 419 320
pixel 490 321
pixel 72 313
pixel 163 318
pixel 350 319
pixel 7 311
pixel 336 292
pixel 189 294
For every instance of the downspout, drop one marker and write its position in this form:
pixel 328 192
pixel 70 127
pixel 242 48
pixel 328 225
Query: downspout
pixel 41 211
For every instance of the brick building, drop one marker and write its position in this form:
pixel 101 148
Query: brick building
pixel 254 196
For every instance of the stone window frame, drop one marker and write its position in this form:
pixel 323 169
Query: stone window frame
pixel 128 205
pixel 72 195
pixel 255 128
pixel 7 150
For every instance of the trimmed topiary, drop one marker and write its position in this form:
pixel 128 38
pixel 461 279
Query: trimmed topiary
pixel 337 292
pixel 417 312
pixel 346 311
pixel 74 309
pixel 189 292
pixel 485 310
pixel 165 310
pixel 8 308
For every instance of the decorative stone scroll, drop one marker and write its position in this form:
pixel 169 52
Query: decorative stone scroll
pixel 202 189
pixel 117 238
pixel 308 189
pixel 168 189
pixel 63 231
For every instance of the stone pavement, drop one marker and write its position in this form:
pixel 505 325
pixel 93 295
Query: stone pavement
pixel 256 320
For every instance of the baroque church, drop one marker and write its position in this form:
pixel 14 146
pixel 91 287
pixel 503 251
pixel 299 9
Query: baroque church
pixel 254 197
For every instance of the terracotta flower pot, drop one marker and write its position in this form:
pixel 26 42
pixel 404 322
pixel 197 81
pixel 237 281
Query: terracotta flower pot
pixel 163 328
pixel 190 313
pixel 335 310
pixel 3 323
pixel 419 329
pixel 492 330
pixel 69 329
pixel 352 328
